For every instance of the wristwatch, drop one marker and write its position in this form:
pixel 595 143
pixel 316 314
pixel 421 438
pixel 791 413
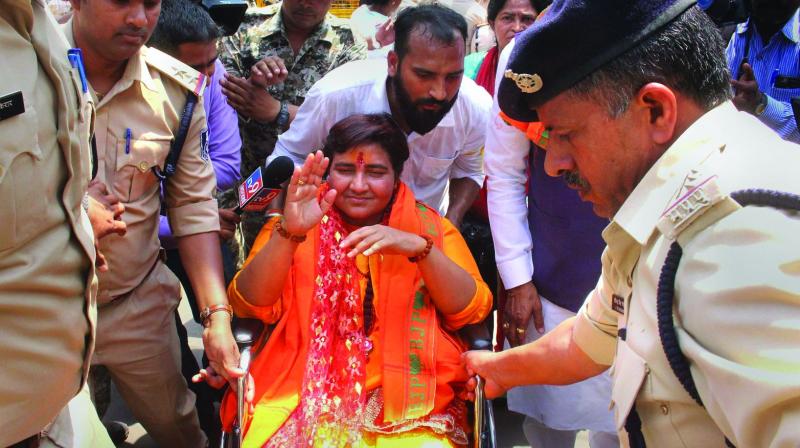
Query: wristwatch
pixel 762 105
pixel 282 119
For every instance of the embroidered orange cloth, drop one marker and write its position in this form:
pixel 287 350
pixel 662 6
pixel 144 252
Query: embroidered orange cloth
pixel 278 370
pixel 535 131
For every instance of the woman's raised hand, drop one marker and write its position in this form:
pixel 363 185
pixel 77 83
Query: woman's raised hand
pixel 302 210
pixel 384 240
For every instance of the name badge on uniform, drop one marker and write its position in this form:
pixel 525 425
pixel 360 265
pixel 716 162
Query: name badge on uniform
pixel 618 304
pixel 11 105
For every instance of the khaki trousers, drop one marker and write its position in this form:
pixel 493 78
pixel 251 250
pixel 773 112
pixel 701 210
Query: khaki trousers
pixel 137 341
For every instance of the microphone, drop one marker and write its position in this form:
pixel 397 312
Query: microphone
pixel 261 187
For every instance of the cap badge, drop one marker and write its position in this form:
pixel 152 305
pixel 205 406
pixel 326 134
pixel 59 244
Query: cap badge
pixel 525 82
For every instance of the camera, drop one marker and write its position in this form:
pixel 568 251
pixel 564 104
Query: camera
pixel 726 12
pixel 228 14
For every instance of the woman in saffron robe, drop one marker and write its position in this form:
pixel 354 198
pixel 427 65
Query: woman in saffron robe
pixel 366 287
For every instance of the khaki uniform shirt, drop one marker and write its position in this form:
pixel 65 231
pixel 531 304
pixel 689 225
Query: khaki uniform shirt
pixel 737 291
pixel 149 100
pixel 47 279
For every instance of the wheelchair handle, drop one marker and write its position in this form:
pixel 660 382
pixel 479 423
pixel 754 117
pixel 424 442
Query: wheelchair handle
pixel 480 396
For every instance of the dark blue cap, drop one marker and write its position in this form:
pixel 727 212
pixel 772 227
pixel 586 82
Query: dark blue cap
pixel 572 39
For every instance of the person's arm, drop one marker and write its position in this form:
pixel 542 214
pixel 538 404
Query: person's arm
pixel 779 115
pixel 275 257
pixel 507 161
pixel 303 211
pixel 466 174
pixel 462 193
pixel 451 287
pixel 554 359
pixel 579 348
pixel 194 218
pixel 224 145
pixel 749 97
pixel 200 256
pixel 507 151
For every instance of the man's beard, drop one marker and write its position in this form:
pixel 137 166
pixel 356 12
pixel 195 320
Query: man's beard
pixel 419 120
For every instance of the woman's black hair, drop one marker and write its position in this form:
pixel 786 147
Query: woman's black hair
pixel 363 129
pixel 494 7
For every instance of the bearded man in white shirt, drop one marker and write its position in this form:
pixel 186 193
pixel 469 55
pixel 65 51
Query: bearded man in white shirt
pixel 422 85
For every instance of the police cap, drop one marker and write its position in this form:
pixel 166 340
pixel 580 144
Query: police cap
pixel 572 39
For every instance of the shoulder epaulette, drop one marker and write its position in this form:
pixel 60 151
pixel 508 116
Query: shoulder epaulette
pixel 186 76
pixel 698 194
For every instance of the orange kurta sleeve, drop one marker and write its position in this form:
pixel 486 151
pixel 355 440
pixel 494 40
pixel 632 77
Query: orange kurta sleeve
pixel 243 308
pixel 481 304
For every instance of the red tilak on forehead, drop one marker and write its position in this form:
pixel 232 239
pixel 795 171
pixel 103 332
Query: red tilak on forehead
pixel 360 158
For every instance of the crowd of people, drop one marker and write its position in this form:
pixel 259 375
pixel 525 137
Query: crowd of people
pixel 611 180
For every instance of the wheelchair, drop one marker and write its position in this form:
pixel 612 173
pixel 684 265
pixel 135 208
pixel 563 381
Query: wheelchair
pixel 247 333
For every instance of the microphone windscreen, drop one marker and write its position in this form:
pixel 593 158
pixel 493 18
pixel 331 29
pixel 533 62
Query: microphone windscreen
pixel 278 172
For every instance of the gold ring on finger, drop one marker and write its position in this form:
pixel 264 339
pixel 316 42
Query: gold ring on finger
pixel 506 326
pixel 520 330
pixel 301 182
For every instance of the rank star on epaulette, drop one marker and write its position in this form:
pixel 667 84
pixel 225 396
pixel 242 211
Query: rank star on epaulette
pixel 525 82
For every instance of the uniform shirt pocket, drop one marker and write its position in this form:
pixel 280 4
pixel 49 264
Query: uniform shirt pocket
pixel 19 156
pixel 135 179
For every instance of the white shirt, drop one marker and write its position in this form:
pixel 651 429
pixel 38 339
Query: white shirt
pixel 452 150
pixel 507 150
pixel 365 23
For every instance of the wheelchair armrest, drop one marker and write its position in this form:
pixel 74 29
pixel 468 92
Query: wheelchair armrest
pixel 246 331
pixel 477 336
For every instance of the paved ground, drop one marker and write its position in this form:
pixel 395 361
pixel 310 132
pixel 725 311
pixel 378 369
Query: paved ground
pixel 509 434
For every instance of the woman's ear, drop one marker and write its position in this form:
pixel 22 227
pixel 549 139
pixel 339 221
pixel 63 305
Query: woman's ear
pixel 659 105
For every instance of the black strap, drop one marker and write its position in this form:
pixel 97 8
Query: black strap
pixel 666 290
pixel 171 164
pixel 94 157
pixel 633 426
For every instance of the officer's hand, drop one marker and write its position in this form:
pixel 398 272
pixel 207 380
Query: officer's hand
pixel 747 95
pixel 228 219
pixel 250 100
pixel 522 303
pixel 482 363
pixel 105 211
pixel 267 72
pixel 220 347
pixel 215 380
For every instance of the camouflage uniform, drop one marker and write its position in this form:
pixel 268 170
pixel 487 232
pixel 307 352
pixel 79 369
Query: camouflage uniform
pixel 262 34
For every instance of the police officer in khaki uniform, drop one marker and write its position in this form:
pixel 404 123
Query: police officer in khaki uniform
pixel 47 276
pixel 141 94
pixel 637 117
